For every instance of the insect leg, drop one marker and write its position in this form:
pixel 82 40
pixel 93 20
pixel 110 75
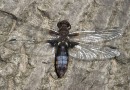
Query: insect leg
pixel 73 34
pixel 52 42
pixel 51 32
pixel 72 44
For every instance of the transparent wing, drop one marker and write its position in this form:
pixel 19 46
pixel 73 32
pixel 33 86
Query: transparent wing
pixel 32 48
pixel 34 42
pixel 34 32
pixel 91 52
pixel 43 49
pixel 97 35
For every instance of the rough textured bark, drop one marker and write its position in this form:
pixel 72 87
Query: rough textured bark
pixel 23 67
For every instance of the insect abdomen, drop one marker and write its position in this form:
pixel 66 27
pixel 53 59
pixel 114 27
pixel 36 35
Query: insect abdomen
pixel 61 61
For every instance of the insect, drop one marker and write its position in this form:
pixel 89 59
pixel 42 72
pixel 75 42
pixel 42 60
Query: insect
pixel 84 47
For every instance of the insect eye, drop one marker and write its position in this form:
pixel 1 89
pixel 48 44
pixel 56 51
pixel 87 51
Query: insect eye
pixel 64 23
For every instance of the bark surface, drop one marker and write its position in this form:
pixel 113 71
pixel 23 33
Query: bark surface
pixel 24 62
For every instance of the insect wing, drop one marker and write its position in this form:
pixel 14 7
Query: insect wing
pixel 43 49
pixel 91 52
pixel 97 36
pixel 29 36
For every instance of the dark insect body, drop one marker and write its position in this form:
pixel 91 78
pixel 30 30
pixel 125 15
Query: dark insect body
pixel 62 44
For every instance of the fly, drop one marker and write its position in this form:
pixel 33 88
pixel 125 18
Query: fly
pixel 81 45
